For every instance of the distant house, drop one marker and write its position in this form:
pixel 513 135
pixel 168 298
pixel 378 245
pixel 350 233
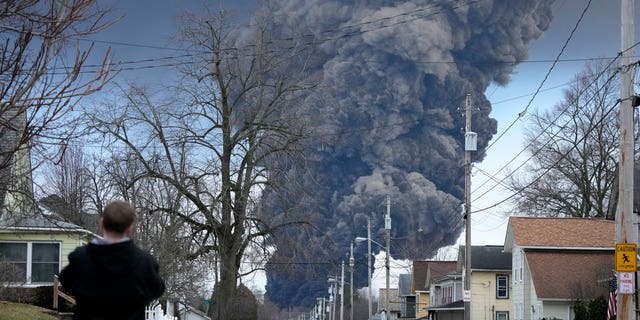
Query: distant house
pixel 490 286
pixel 490 282
pixel 424 272
pixel 556 261
pixel 31 239
pixel 406 297
pixel 446 297
pixel 39 247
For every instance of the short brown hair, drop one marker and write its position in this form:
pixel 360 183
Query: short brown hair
pixel 118 216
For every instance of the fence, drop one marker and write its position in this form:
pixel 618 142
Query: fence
pixel 57 293
pixel 156 313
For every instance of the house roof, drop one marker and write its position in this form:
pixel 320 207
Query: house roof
pixel 486 258
pixel 560 232
pixel 576 274
pixel 426 271
pixel 453 306
pixel 39 223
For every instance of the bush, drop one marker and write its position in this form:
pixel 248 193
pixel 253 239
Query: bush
pixel 595 309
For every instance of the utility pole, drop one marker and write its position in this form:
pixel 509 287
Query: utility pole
pixel 369 263
pixel 626 229
pixel 342 293
pixel 335 299
pixel 351 264
pixel 387 228
pixel 469 145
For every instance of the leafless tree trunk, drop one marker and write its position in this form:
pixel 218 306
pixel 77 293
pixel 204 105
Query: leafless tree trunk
pixel 573 149
pixel 43 73
pixel 215 141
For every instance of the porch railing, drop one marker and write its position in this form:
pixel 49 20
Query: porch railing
pixel 57 293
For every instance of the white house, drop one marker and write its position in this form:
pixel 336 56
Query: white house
pixel 556 261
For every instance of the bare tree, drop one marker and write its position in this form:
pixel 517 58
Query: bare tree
pixel 215 140
pixel 574 148
pixel 67 188
pixel 44 73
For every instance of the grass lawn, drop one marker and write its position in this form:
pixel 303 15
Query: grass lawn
pixel 18 311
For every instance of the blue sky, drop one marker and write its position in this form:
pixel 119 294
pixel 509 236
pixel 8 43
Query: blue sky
pixel 598 35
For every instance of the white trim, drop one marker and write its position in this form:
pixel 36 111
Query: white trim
pixel 62 230
pixel 557 299
pixel 491 270
pixel 29 268
pixel 568 248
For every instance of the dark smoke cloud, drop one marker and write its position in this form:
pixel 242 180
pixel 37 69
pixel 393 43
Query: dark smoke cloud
pixel 396 74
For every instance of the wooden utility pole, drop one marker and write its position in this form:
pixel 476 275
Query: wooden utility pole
pixel 626 230
pixel 342 292
pixel 467 208
pixel 387 228
pixel 351 264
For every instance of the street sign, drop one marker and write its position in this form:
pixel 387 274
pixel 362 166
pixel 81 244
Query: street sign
pixel 626 283
pixel 466 295
pixel 626 257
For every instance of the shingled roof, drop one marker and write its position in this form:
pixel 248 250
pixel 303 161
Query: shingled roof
pixel 425 271
pixel 560 232
pixel 575 274
pixel 486 258
pixel 579 252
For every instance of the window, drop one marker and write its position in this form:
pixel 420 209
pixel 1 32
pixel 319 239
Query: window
pixel 521 278
pixel 502 315
pixel 502 286
pixel 36 262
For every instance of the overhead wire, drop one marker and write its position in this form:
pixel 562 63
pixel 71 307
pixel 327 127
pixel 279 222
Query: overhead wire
pixel 540 176
pixel 555 62
pixel 318 41
pixel 537 137
pixel 563 111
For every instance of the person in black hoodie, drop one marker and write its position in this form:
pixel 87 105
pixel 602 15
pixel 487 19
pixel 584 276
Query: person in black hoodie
pixel 111 278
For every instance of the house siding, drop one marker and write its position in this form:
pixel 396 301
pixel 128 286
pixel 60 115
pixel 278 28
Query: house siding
pixel 528 287
pixel 484 303
pixel 556 309
pixel 518 292
pixel 422 304
pixel 578 256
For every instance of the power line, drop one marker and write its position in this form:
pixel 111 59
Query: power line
pixel 537 137
pixel 411 14
pixel 549 168
pixel 524 111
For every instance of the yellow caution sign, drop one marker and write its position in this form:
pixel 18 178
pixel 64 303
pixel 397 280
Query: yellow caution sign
pixel 626 257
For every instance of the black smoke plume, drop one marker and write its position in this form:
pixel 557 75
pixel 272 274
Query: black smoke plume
pixel 390 122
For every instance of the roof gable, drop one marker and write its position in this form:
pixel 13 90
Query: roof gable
pixel 424 272
pixel 576 274
pixel 560 232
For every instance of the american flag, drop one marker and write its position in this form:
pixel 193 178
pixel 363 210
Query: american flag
pixel 612 309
